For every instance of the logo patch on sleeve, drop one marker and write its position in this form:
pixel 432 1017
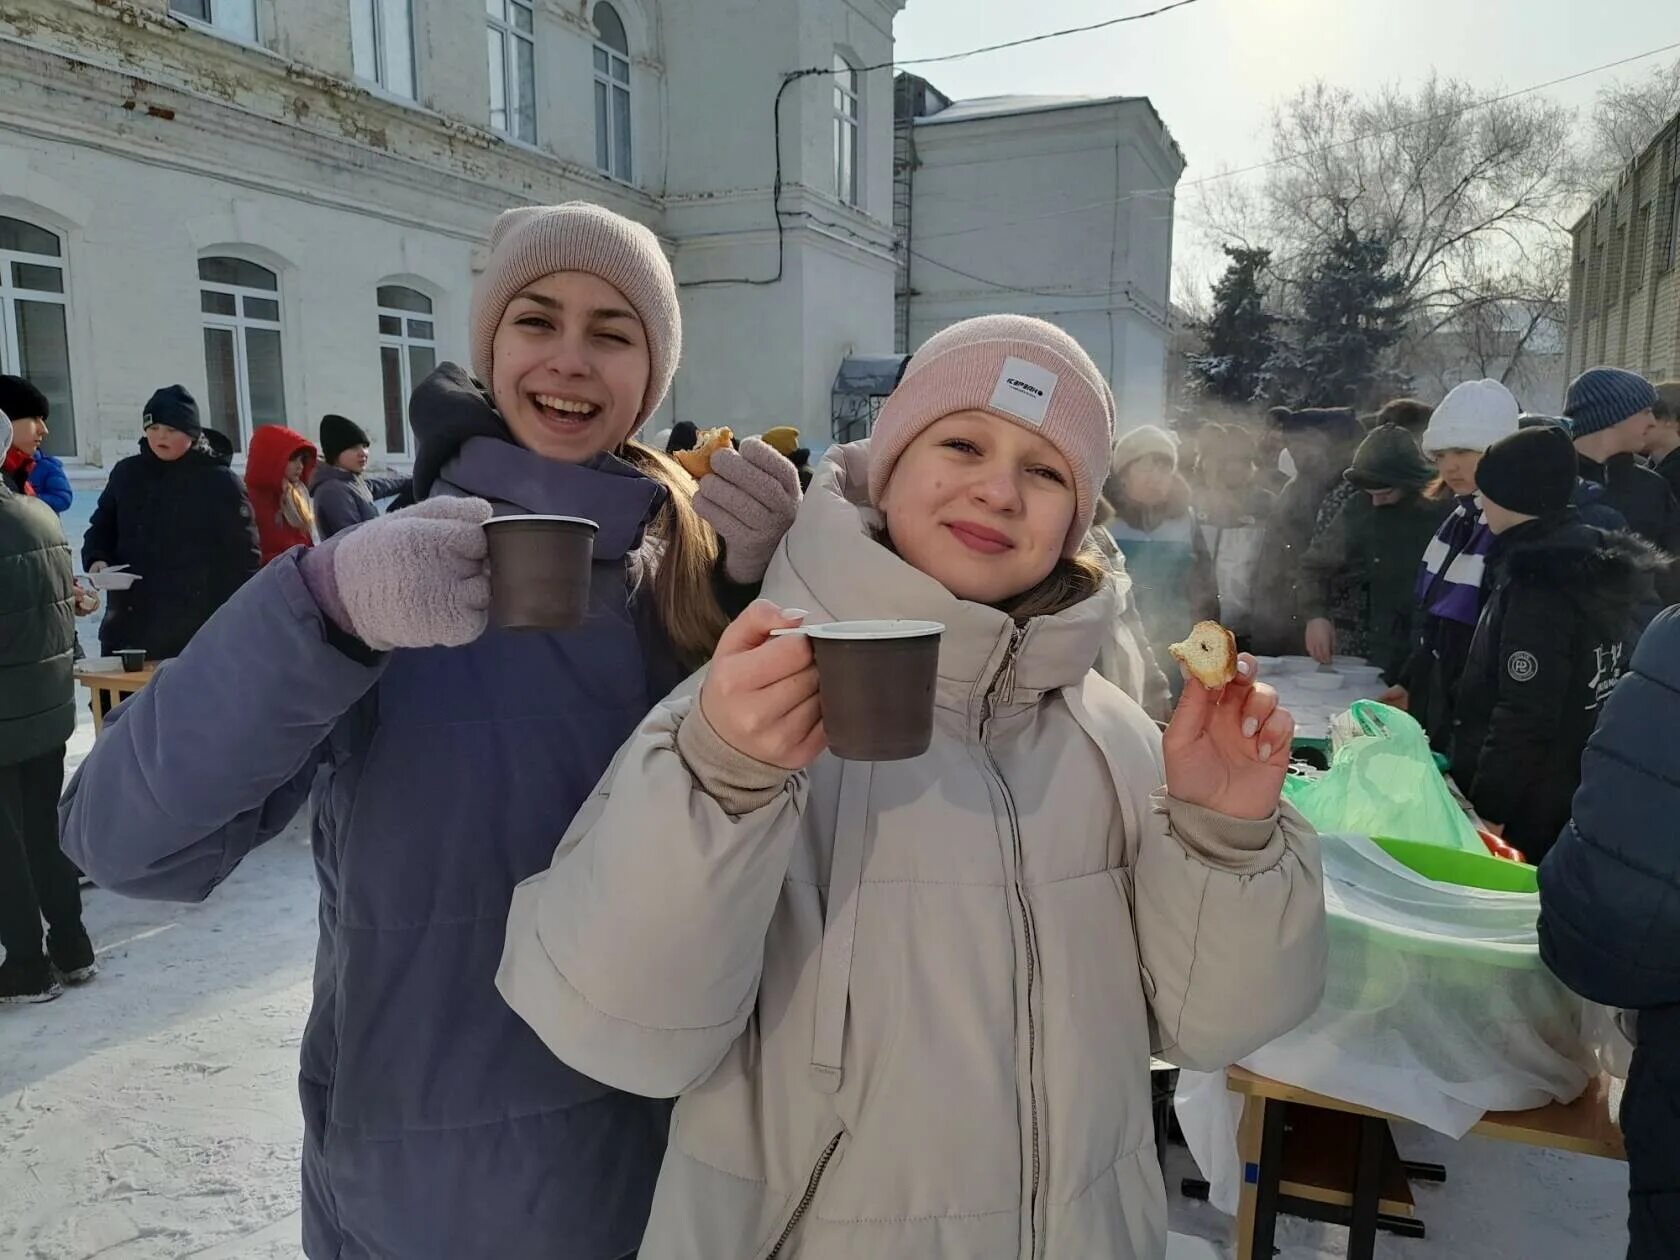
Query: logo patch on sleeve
pixel 1024 389
pixel 1522 666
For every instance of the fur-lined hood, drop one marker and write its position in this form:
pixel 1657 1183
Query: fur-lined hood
pixel 1596 567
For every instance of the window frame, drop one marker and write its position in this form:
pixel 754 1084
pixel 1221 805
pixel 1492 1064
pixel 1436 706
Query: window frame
pixel 381 67
pixel 1673 224
pixel 239 324
pixel 218 28
pixel 612 81
pixel 403 342
pixel 11 293
pixel 848 130
pixel 504 25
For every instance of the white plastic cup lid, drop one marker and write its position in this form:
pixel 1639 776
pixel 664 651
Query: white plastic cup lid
pixel 537 516
pixel 853 630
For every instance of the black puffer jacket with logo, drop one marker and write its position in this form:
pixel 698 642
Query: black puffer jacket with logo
pixel 1556 633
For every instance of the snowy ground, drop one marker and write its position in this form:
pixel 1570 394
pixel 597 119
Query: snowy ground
pixel 153 1114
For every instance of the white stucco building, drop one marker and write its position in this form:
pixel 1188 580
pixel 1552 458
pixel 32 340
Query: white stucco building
pixel 1059 207
pixel 280 203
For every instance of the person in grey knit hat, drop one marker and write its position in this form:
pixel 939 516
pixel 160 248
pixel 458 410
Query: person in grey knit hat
pixel 453 755
pixel 1611 417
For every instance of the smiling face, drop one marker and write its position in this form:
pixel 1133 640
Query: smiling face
pixel 981 505
pixel 1458 469
pixel 570 367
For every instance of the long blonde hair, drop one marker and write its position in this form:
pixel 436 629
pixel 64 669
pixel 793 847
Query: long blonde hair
pixel 1073 581
pixel 683 594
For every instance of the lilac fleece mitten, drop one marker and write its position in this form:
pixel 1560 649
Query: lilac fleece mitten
pixel 751 499
pixel 416 578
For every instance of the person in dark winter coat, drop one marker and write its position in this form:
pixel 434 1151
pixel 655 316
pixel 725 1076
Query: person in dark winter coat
pixel 21 459
pixel 1321 442
pixel 176 514
pixel 1611 416
pixel 1610 916
pixel 37 718
pixel 1556 634
pixel 1377 540
pixel 1156 529
pixel 26 467
pixel 1662 447
pixel 277 468
pixel 1449 589
pixel 448 757
pixel 344 494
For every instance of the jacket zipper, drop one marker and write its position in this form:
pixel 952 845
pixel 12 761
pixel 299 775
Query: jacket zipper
pixel 810 1194
pixel 1003 691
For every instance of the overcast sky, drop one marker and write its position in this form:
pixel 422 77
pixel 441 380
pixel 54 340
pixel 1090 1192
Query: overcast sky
pixel 1215 68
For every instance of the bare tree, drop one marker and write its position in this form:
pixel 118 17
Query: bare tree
pixel 1626 116
pixel 1468 194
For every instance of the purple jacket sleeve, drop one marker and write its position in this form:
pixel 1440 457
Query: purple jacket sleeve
pixel 219 751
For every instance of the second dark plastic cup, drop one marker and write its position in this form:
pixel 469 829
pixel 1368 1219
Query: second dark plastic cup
pixel 133 659
pixel 539 571
pixel 877 682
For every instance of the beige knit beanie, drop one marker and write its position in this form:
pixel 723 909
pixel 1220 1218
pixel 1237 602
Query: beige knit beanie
pixel 534 241
pixel 1146 439
pixel 1016 368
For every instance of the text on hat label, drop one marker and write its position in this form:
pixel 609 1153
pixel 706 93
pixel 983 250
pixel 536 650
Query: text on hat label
pixel 1024 390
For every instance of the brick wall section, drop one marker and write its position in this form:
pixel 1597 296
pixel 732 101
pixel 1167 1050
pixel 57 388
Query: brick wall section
pixel 1624 297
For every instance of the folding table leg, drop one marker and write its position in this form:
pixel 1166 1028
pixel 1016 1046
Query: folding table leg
pixel 1367 1189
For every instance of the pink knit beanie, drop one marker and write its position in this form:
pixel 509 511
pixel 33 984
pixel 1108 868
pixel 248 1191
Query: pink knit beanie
pixel 534 241
pixel 1019 369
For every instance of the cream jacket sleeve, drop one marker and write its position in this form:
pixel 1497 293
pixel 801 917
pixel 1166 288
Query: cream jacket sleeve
pixel 1230 927
pixel 636 956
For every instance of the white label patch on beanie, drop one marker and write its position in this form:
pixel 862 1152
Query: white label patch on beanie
pixel 1024 389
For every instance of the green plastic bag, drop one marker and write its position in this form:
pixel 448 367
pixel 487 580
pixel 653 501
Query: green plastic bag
pixel 1383 781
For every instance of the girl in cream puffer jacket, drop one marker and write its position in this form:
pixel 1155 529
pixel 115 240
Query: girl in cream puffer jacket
pixel 908 1008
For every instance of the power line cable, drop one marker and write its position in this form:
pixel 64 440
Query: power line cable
pixel 1283 160
pixel 792 77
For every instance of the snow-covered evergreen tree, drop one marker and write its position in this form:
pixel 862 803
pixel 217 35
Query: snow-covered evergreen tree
pixel 1237 337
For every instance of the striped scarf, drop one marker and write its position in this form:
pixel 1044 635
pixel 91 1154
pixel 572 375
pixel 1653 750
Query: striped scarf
pixel 1449 583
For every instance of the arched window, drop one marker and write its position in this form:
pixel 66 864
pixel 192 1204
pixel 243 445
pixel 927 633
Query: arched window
pixel 845 131
pixel 240 301
pixel 612 93
pixel 407 355
pixel 34 339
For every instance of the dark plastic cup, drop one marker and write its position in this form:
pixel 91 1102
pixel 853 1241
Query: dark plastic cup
pixel 539 571
pixel 133 659
pixel 877 681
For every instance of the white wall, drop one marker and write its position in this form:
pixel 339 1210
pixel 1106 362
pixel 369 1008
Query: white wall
pixel 1066 214
pixel 202 143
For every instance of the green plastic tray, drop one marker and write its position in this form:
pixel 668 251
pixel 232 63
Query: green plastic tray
pixel 1455 866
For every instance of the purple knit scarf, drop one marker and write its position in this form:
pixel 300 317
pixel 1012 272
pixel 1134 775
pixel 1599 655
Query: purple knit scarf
pixel 1449 581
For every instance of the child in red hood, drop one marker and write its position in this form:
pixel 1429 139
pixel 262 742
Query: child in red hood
pixel 276 471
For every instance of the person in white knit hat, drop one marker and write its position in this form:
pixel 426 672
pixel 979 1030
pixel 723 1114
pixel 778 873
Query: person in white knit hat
pixel 1155 527
pixel 1450 588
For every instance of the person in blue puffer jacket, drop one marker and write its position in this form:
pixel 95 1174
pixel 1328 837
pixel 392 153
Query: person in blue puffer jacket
pixel 1610 916
pixel 446 757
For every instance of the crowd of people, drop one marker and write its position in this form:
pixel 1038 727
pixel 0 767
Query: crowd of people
pixel 569 877
pixel 1498 567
